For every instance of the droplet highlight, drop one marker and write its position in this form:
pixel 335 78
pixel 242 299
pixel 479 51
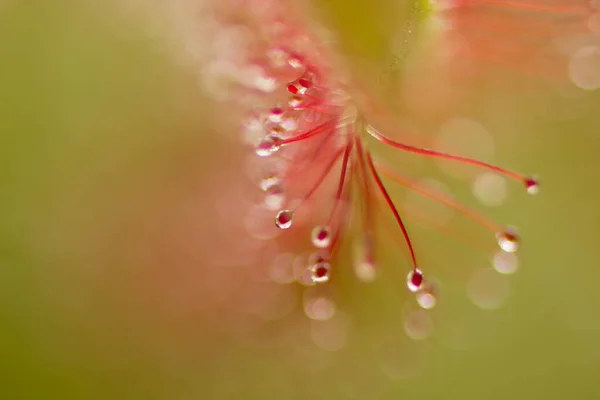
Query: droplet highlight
pixel 321 237
pixel 283 220
pixel 268 145
pixel 296 101
pixel 295 61
pixel 274 197
pixel 414 280
pixel 268 182
pixel 532 186
pixel 508 240
pixel 275 114
pixel 320 272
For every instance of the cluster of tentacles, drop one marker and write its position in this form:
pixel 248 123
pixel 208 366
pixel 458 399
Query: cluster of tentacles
pixel 318 137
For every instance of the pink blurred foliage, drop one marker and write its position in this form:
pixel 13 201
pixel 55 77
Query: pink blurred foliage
pixel 509 46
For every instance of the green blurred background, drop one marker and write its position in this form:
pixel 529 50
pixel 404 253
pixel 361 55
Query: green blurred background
pixel 100 127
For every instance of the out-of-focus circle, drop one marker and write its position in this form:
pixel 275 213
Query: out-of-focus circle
pixel 332 334
pixel 584 68
pixel 505 263
pixel 365 270
pixel 490 189
pixel 281 304
pixel 418 324
pixel 281 269
pixel 467 138
pixel 488 289
pixel 401 362
pixel 427 296
pixel 319 308
pixel 593 22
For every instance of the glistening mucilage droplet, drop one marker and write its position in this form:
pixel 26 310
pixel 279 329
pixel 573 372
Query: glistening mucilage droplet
pixel 268 145
pixel 283 220
pixel 269 181
pixel 276 114
pixel 320 271
pixel 274 197
pixel 414 280
pixel 532 186
pixel 321 237
pixel 508 240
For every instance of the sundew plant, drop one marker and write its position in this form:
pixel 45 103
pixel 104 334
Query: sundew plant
pixel 309 121
pixel 314 129
pixel 230 199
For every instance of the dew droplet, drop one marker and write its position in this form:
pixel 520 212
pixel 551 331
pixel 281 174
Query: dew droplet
pixel 295 101
pixel 268 145
pixel 532 186
pixel 276 131
pixel 295 61
pixel 414 280
pixel 268 181
pixel 508 240
pixel 275 114
pixel 317 257
pixel 427 296
pixel 283 220
pixel 321 237
pixel 298 87
pixel 320 272
pixel 305 83
pixel 274 197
